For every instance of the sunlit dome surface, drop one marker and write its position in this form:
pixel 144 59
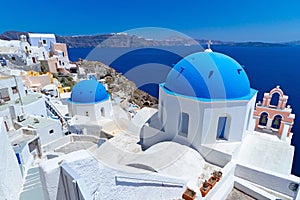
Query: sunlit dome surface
pixel 88 91
pixel 208 75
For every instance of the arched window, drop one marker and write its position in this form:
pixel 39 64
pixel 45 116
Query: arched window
pixel 102 112
pixel 276 121
pixel 275 99
pixel 263 119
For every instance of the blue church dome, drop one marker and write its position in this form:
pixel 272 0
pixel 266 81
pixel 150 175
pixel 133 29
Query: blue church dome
pixel 88 91
pixel 208 75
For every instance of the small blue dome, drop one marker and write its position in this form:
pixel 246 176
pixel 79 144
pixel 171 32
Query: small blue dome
pixel 88 91
pixel 208 75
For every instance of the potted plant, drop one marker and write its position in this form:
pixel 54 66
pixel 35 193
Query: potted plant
pixel 212 181
pixel 189 194
pixel 217 175
pixel 205 188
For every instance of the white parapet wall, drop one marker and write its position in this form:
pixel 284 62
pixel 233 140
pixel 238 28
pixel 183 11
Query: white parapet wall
pixel 50 175
pixel 268 179
pixel 222 189
pixel 50 147
pixel 10 174
pixel 252 190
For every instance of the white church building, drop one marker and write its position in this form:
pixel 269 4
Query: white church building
pixel 89 106
pixel 205 100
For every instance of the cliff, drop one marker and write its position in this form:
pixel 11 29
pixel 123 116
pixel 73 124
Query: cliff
pixel 117 84
pixel 125 40
pixel 12 35
pixel 107 40
pixel 119 40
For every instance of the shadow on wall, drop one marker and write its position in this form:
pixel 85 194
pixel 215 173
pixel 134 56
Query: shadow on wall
pixel 136 182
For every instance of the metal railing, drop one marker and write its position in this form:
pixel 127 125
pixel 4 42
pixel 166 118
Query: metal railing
pixel 52 109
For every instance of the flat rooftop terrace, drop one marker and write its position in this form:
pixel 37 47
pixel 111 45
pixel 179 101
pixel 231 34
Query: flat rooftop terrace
pixel 28 99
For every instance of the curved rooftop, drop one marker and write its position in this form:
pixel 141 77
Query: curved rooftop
pixel 88 91
pixel 208 75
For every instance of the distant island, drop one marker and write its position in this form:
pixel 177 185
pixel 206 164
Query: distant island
pixel 126 40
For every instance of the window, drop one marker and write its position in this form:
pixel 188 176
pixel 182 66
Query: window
pixel 102 112
pixel 184 124
pixel 44 42
pixel 14 89
pixel 4 94
pixel 33 145
pixel 51 131
pixel 221 127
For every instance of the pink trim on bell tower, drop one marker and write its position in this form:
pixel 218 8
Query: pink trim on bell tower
pixel 276 119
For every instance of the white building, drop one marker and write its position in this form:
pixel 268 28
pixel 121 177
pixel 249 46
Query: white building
pixel 89 106
pixel 20 52
pixel 16 104
pixel 32 54
pixel 37 39
pixel 205 100
pixel 47 129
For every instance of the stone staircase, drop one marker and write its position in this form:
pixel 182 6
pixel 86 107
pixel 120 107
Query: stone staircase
pixel 32 187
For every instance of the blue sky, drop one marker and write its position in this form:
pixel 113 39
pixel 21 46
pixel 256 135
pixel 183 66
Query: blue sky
pixel 256 20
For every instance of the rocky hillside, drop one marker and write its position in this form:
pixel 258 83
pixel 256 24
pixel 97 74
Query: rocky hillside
pixel 124 40
pixel 120 40
pixel 12 35
pixel 107 40
pixel 117 84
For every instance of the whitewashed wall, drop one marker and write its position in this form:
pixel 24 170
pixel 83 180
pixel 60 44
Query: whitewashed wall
pixel 94 110
pixel 37 107
pixel 9 187
pixel 44 134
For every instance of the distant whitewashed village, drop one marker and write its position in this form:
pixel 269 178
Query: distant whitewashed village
pixel 82 131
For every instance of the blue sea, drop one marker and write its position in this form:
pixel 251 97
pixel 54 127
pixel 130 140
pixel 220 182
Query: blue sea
pixel 266 67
